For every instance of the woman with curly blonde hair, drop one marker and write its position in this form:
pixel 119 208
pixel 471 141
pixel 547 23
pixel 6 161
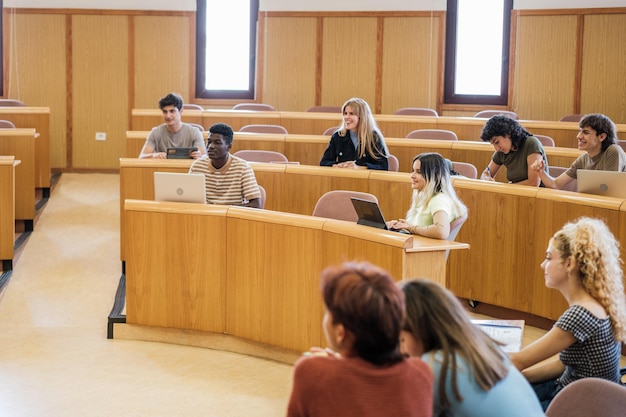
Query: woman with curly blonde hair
pixel 358 143
pixel 583 263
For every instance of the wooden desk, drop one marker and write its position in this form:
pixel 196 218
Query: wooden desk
pixel 240 118
pixel 508 229
pixel 136 139
pixel 39 119
pixel 508 226
pixel 308 149
pixel 309 123
pixel 7 210
pixel 395 126
pixel 137 182
pixel 21 144
pixel 179 276
pixel 146 119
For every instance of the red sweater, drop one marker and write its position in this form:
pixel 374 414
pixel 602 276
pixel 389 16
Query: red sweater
pixel 327 386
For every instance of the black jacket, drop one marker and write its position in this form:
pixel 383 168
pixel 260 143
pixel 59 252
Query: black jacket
pixel 341 149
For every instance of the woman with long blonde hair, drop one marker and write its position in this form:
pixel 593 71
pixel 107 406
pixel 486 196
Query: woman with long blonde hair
pixel 358 143
pixel 583 263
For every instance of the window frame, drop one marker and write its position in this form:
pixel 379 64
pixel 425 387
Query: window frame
pixel 449 97
pixel 201 53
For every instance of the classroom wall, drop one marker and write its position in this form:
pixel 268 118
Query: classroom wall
pixel 275 5
pixel 92 66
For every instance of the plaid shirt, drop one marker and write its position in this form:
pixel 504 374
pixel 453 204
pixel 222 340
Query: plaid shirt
pixel 595 353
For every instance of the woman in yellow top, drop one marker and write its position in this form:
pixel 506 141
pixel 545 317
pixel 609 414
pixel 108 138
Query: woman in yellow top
pixel 435 204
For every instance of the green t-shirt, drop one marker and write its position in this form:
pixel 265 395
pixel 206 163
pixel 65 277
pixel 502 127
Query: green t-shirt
pixel 516 162
pixel 612 158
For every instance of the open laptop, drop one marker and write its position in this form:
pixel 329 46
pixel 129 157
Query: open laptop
pixel 176 186
pixel 369 213
pixel 605 183
pixel 180 153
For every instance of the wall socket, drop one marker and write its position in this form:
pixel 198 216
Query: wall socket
pixel 101 136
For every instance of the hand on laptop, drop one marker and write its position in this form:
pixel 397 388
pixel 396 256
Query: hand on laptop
pixel 397 224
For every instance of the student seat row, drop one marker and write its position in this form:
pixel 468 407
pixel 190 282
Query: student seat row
pixel 395 126
pixel 308 149
pixel 507 228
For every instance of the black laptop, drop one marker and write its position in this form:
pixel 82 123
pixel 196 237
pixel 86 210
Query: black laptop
pixel 369 213
pixel 180 153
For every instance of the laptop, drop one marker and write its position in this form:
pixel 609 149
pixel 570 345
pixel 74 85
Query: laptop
pixel 180 187
pixel 605 183
pixel 180 153
pixel 369 213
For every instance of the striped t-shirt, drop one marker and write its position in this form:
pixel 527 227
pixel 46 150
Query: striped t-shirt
pixel 233 184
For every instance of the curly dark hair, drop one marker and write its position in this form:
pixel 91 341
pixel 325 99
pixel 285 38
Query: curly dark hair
pixel 224 130
pixel 501 125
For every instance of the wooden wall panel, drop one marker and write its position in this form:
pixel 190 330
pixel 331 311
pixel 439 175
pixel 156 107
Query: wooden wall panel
pixel 349 59
pixel 511 210
pixel 604 60
pixel 554 210
pixel 410 63
pixel 100 89
pixel 545 67
pixel 290 63
pixel 71 60
pixel 162 58
pixel 37 72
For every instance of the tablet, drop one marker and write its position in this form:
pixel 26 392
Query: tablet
pixel 180 153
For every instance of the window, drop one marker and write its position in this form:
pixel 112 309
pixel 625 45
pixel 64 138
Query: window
pixel 477 51
pixel 226 48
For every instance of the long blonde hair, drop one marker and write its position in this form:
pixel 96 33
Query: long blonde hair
pixel 371 140
pixel 435 317
pixel 436 173
pixel 597 253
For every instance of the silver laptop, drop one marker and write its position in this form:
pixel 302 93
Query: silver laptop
pixel 176 186
pixel 605 183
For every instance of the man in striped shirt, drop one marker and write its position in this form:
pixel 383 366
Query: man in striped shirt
pixel 229 180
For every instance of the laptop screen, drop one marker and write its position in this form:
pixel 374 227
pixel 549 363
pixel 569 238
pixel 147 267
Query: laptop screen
pixel 369 213
pixel 605 183
pixel 181 187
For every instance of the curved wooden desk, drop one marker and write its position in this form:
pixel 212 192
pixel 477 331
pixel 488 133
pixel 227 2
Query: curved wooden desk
pixel 508 226
pixel 250 273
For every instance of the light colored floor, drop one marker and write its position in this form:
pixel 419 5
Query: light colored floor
pixel 55 359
